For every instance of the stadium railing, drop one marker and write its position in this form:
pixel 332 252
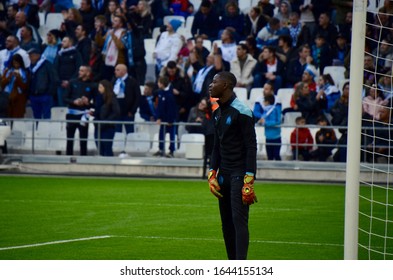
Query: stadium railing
pixel 32 136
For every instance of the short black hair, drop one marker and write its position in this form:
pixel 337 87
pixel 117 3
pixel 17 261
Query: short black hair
pixel 229 77
pixel 171 64
pixel 269 98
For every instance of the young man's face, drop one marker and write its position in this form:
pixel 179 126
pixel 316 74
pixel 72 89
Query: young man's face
pixel 301 122
pixel 83 72
pixel 267 89
pixel 66 43
pixel 216 88
pixel 240 52
pixel 266 54
pixel 304 53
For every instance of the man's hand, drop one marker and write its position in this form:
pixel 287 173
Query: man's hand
pixel 213 184
pixel 248 194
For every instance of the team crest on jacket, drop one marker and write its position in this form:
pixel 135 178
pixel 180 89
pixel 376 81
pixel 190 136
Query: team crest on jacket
pixel 229 120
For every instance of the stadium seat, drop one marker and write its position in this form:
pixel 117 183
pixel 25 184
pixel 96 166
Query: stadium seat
pixel 284 96
pixel 286 149
pixel 341 84
pixel 185 32
pixel 192 145
pixel 41 15
pixel 156 32
pixel 244 6
pixel 261 140
pixel 138 142
pixel 155 143
pixel 254 94
pixel 336 72
pixel 22 125
pixel 29 113
pixel 254 3
pixel 5 131
pixel 58 113
pixel 189 21
pixel 241 93
pixel 196 4
pixel 218 42
pixel 15 140
pixel 36 140
pixel 54 21
pixel 77 3
pixel 150 45
pixel 119 142
pixel 290 117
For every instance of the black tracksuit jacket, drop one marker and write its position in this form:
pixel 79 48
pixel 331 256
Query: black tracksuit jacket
pixel 235 145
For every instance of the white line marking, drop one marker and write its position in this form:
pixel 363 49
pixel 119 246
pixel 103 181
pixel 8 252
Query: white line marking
pixel 220 240
pixel 55 242
pixel 165 238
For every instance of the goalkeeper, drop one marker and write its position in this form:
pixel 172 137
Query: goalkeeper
pixel 233 164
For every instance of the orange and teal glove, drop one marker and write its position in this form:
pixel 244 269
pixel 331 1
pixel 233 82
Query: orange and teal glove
pixel 213 183
pixel 248 194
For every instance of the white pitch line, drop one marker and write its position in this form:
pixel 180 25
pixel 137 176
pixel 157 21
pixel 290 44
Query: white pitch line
pixel 55 242
pixel 251 241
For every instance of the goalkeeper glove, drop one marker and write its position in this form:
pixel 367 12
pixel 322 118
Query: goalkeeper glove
pixel 248 194
pixel 213 184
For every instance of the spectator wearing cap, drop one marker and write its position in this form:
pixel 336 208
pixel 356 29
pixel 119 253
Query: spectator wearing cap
pixel 52 46
pixel 42 85
pixel 168 46
pixel 309 75
pixel 206 21
pixel 181 89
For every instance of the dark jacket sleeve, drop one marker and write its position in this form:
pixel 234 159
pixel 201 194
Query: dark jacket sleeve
pixel 250 142
pixel 133 95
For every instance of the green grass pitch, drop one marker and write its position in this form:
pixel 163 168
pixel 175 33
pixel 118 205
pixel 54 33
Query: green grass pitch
pixel 58 218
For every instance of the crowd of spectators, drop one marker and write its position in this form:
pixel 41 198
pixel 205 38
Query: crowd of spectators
pixel 272 45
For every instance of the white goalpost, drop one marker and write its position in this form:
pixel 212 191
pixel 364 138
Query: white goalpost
pixel 354 131
pixel 369 198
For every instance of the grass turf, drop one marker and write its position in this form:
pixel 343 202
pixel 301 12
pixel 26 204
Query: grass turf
pixel 148 219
